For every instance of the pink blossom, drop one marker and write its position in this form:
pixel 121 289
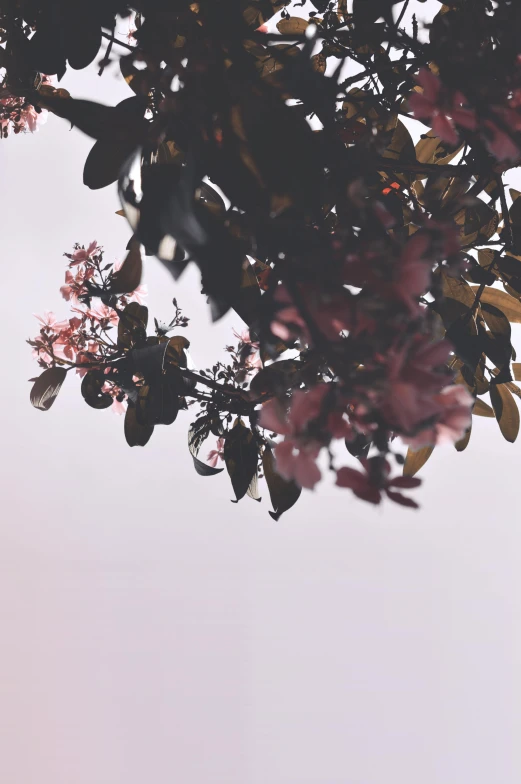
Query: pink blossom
pixel 439 108
pixel 373 481
pixel 74 284
pixel 138 295
pixel 118 406
pixel 420 362
pixel 103 314
pixel 82 255
pixel 287 317
pixel 20 116
pixel 216 454
pixel 454 414
pixel 50 322
pixel 244 336
pixel 331 313
pixel 87 356
pixel 297 460
pixel 500 144
pixel 296 455
pixel 413 271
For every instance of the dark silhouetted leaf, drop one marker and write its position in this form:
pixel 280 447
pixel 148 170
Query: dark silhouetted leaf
pixel 132 326
pixel 203 469
pixel 91 389
pixel 197 434
pixel 149 360
pixel 86 42
pixel 128 277
pixel 240 456
pixel 176 351
pixel 157 403
pixel 283 493
pixel 46 387
pixel 136 433
pixel 104 162
pixel 359 445
pixel 508 305
pixel 279 376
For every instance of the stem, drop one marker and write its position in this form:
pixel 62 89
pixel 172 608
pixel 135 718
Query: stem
pixel 506 217
pixel 114 40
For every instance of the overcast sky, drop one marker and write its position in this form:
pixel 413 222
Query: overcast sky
pixel 152 631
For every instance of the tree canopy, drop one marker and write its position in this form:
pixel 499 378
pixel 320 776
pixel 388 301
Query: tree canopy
pixel 268 142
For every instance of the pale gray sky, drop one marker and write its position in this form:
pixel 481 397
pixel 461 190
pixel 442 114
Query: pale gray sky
pixel 154 632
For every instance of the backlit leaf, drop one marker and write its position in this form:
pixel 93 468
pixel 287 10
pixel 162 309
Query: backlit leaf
pixel 506 411
pixel 46 387
pixel 508 305
pixel 482 409
pixel 416 460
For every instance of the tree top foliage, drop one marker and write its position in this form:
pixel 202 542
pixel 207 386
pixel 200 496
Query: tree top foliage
pixel 268 143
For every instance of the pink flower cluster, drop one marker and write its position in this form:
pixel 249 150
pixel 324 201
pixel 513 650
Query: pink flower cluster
pixel 19 116
pixel 246 357
pixel 84 339
pixel 308 424
pixel 401 385
pixel 446 110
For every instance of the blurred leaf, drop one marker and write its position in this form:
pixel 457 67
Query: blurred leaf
pixel 401 149
pixel 137 80
pixel 359 445
pixel 279 376
pixel 46 387
pixel 247 302
pixel 124 123
pixel 292 26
